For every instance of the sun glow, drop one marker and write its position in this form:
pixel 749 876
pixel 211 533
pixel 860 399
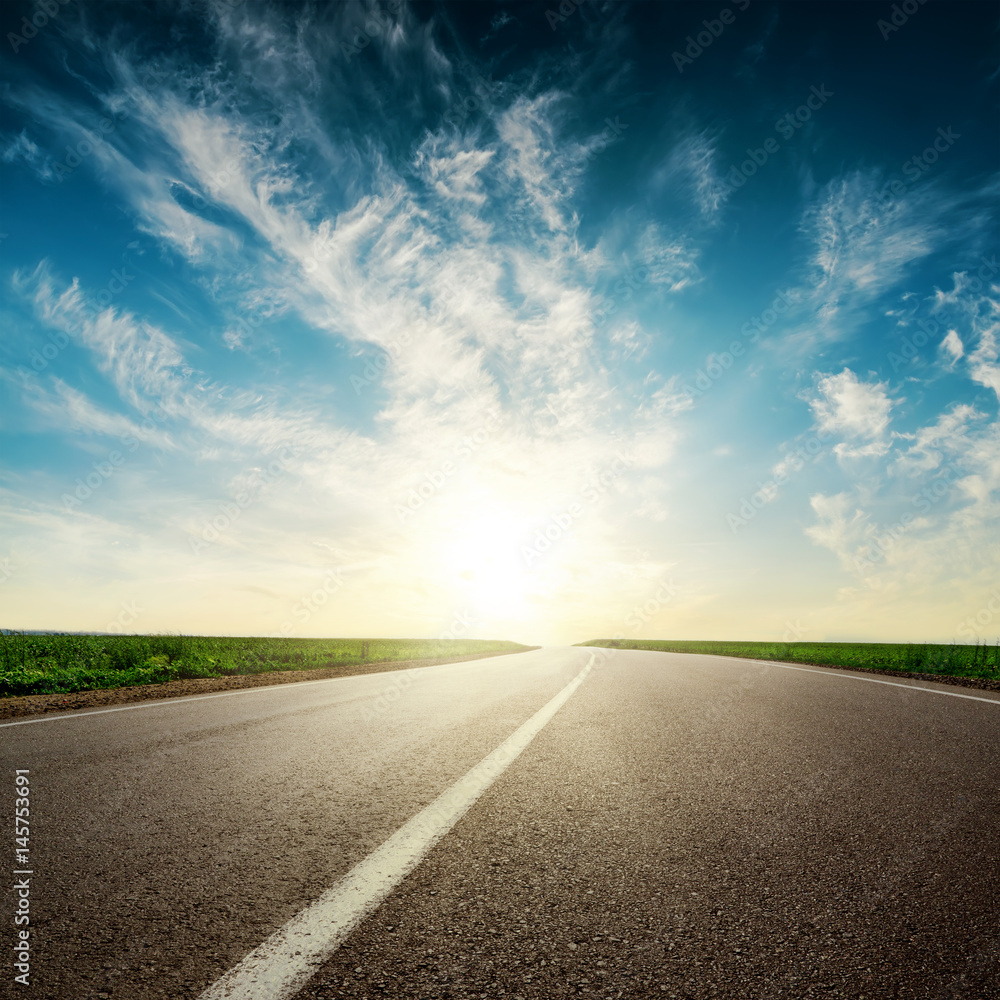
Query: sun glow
pixel 484 565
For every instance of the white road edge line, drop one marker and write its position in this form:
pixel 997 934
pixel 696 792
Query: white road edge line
pixel 828 673
pixel 279 967
pixel 875 680
pixel 173 701
pixel 158 703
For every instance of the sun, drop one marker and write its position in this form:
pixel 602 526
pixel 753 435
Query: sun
pixel 483 564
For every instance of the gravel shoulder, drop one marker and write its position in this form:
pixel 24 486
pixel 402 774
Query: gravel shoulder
pixel 39 704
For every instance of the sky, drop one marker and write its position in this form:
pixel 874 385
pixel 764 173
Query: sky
pixel 535 321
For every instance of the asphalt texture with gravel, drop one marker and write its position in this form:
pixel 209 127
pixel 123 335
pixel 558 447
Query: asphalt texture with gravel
pixel 684 826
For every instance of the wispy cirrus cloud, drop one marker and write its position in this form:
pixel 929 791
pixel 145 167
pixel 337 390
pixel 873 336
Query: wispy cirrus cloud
pixel 444 277
pixel 21 147
pixel 691 169
pixel 478 322
pixel 863 246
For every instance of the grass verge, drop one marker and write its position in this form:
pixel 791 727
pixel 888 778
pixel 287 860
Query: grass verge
pixel 980 661
pixel 56 663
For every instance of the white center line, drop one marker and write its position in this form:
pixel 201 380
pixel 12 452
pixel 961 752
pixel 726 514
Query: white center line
pixel 288 959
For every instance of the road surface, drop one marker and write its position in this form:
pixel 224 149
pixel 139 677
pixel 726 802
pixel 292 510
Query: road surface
pixel 676 825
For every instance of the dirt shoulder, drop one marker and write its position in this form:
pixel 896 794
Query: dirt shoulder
pixel 38 704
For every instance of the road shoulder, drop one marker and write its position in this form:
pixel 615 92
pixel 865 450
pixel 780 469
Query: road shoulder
pixel 39 704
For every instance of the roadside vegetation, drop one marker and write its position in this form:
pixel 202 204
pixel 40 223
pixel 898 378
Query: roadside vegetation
pixel 56 663
pixel 980 660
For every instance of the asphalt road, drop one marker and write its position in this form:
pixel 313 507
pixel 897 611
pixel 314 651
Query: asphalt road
pixel 683 826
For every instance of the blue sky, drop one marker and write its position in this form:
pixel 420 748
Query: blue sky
pixel 505 320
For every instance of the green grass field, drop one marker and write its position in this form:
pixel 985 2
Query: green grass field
pixel 928 658
pixel 58 663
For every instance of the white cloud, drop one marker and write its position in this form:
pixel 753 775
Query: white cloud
pixel 840 525
pixel 452 171
pixel 926 526
pixel 855 410
pixel 20 148
pixel 671 260
pixel 142 360
pixel 534 157
pixel 983 360
pixel 463 262
pixel 474 317
pixel 67 409
pixel 692 168
pixel 497 22
pixel 861 245
pixel 939 442
pixel 952 345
